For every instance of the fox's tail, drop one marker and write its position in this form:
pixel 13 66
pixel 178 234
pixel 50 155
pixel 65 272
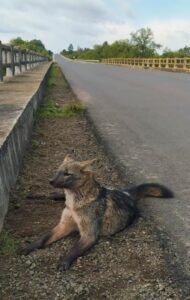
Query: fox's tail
pixel 150 190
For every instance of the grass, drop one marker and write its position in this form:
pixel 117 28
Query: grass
pixel 55 71
pixel 55 76
pixel 51 82
pixel 73 108
pixel 35 142
pixel 50 110
pixel 8 245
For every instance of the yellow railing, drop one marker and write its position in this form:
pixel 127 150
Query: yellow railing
pixel 182 64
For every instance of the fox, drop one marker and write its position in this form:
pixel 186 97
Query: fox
pixel 91 209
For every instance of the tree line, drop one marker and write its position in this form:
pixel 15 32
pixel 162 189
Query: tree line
pixel 33 45
pixel 140 44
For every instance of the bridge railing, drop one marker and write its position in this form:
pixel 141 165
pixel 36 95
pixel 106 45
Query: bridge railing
pixel 16 60
pixel 182 64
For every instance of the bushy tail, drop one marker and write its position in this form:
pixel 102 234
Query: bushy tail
pixel 150 190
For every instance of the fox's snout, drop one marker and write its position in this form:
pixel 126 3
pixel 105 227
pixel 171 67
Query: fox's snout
pixel 52 181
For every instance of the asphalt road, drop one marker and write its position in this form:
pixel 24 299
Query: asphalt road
pixel 144 116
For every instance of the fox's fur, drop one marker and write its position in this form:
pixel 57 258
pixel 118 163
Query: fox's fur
pixel 91 209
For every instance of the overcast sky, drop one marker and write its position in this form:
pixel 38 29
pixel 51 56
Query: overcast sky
pixel 57 23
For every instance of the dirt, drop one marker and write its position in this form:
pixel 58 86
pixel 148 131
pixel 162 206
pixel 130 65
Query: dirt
pixel 129 265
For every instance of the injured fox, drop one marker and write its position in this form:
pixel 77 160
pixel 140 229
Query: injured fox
pixel 91 209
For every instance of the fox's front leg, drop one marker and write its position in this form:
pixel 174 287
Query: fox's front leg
pixel 89 232
pixel 79 249
pixel 64 228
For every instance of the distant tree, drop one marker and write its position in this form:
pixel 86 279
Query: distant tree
pixel 140 44
pixel 64 51
pixel 18 42
pixel 168 53
pixel 79 49
pixel 105 44
pixel 37 44
pixel 33 45
pixel 71 48
pixel 183 52
pixel 50 53
pixel 187 50
pixel 143 40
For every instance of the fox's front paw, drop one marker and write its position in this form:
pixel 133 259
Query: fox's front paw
pixel 63 264
pixel 23 250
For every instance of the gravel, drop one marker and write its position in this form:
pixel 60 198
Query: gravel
pixel 130 265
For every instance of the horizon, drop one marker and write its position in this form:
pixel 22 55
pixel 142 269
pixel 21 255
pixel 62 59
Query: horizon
pixel 92 22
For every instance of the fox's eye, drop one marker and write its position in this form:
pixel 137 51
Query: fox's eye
pixel 67 174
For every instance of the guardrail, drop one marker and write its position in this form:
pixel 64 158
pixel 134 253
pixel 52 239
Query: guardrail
pixel 182 64
pixel 16 60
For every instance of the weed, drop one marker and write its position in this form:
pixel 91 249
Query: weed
pixel 55 76
pixel 35 142
pixel 51 82
pixel 8 245
pixel 55 71
pixel 73 108
pixel 50 109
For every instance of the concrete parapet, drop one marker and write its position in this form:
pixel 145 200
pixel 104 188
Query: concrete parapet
pixel 19 99
pixel 13 58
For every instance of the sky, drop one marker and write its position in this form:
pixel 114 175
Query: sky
pixel 84 23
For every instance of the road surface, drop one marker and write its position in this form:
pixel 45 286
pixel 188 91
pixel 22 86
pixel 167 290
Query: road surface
pixel 144 116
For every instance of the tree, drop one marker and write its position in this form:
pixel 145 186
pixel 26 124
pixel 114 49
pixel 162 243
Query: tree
pixel 183 52
pixel 168 53
pixel 37 44
pixel 140 44
pixel 33 45
pixel 143 41
pixel 71 48
pixel 17 42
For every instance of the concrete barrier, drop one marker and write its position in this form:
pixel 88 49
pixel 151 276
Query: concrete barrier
pixel 171 64
pixel 16 60
pixel 13 142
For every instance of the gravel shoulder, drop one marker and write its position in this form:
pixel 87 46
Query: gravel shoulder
pixel 130 265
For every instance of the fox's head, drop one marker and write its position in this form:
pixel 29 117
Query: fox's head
pixel 72 174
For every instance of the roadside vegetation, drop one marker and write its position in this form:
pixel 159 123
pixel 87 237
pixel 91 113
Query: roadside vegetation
pixel 52 109
pixel 140 44
pixel 8 244
pixel 33 45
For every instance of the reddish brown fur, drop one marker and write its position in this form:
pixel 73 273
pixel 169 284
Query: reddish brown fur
pixel 90 208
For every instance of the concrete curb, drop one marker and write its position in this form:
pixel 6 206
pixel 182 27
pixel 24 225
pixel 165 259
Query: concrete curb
pixel 13 148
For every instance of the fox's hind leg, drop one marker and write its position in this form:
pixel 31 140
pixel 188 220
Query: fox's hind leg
pixel 64 228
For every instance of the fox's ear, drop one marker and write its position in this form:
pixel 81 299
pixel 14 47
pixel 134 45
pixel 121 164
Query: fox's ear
pixel 85 165
pixel 68 158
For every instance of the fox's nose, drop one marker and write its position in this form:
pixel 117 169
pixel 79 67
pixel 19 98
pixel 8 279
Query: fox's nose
pixel 51 181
